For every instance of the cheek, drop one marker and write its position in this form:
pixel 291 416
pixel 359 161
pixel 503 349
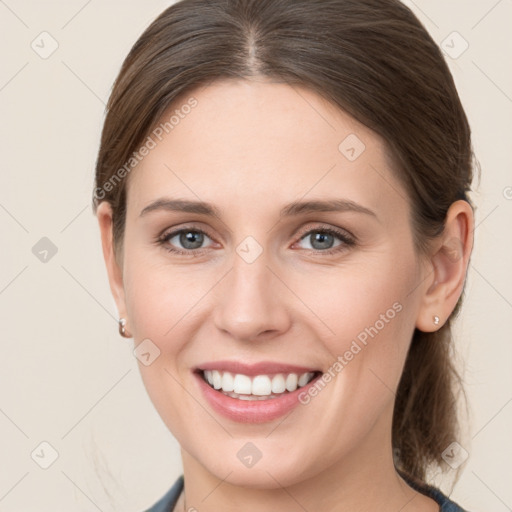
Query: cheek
pixel 159 297
pixel 367 315
pixel 371 316
pixel 160 308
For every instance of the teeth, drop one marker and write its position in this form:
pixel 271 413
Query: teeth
pixel 228 382
pixel 278 384
pixel 247 388
pixel 291 382
pixel 217 379
pixel 250 397
pixel 303 380
pixel 242 384
pixel 209 377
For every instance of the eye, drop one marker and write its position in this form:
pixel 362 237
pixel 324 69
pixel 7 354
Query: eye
pixel 191 239
pixel 321 240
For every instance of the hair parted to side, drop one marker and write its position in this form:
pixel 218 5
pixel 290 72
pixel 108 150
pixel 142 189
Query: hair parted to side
pixel 374 60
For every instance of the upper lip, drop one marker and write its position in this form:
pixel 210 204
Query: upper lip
pixel 253 369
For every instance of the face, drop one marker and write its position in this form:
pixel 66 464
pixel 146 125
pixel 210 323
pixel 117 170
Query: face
pixel 330 292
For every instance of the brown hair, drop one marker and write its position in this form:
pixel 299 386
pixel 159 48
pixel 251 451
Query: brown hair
pixel 374 60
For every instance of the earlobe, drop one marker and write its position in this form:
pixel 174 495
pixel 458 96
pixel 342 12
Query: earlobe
pixel 114 271
pixel 449 263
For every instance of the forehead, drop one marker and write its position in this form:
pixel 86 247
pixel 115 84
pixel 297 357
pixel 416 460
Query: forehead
pixel 259 139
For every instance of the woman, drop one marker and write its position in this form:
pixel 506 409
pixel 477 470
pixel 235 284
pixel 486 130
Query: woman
pixel 282 194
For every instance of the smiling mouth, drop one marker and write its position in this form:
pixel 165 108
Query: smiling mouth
pixel 259 387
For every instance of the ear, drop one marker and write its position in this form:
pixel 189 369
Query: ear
pixel 449 262
pixel 114 270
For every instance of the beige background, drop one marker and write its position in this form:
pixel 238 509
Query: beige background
pixel 68 379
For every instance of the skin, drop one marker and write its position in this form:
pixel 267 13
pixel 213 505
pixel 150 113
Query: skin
pixel 292 304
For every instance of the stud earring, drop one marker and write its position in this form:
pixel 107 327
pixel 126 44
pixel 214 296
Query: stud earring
pixel 122 328
pixel 436 320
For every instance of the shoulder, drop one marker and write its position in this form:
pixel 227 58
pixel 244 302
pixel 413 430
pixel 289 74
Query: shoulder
pixel 167 502
pixel 445 503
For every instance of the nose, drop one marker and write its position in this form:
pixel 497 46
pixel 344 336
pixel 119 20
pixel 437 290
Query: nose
pixel 252 302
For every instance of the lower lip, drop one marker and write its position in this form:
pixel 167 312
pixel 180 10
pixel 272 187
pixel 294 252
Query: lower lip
pixel 251 411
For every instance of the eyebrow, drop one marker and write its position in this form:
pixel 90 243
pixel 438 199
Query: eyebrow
pixel 292 209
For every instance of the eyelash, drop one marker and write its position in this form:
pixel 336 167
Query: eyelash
pixel 347 240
